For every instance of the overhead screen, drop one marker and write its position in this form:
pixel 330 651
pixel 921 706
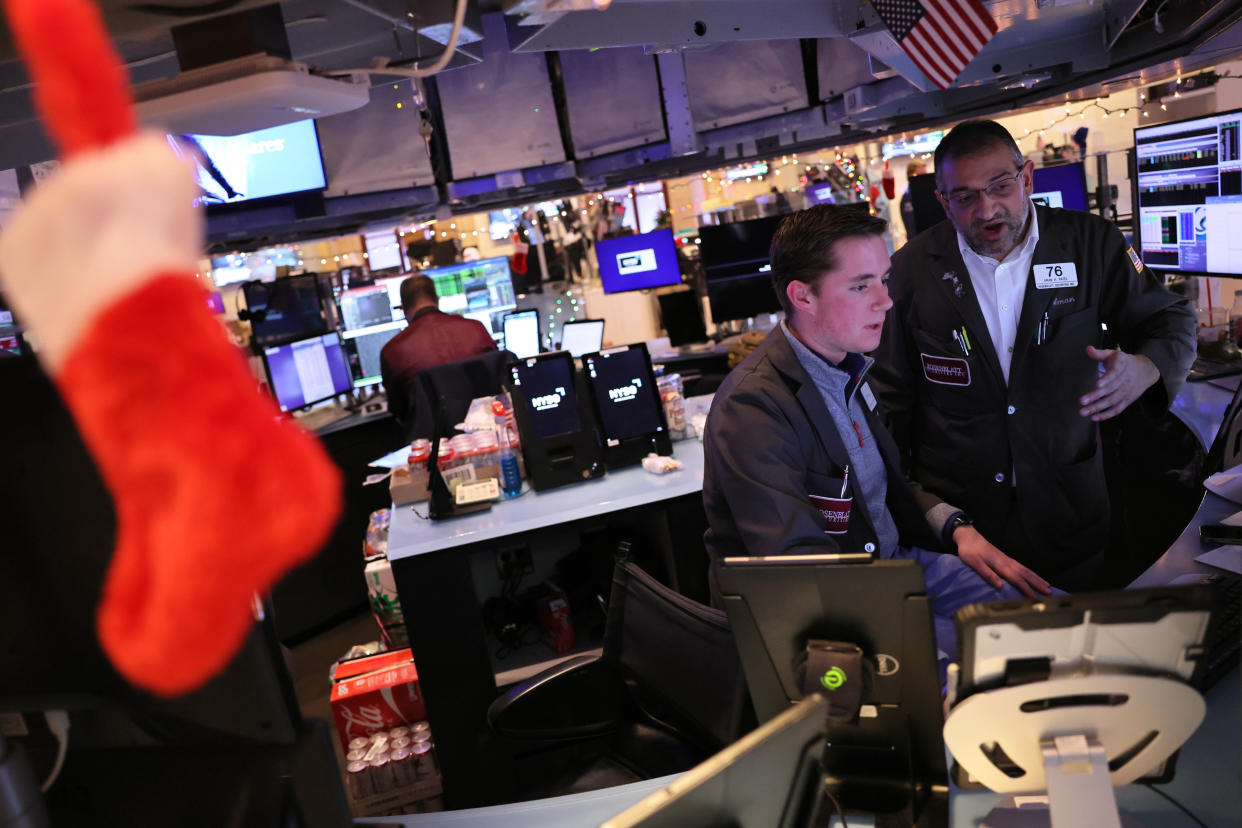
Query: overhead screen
pixel 635 262
pixel 1189 195
pixel 735 262
pixel 268 162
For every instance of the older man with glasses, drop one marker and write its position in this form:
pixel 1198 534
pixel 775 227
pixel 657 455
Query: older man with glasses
pixel 1015 330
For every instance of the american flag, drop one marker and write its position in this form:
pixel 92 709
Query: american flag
pixel 940 36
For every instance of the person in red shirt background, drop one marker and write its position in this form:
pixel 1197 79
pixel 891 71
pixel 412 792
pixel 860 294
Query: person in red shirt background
pixel 432 338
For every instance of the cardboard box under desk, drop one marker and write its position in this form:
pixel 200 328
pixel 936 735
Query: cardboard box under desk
pixel 376 693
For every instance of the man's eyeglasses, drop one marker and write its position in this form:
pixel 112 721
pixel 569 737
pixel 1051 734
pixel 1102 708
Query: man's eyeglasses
pixel 1003 188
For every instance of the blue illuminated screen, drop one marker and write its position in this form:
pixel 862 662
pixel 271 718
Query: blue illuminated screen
pixel 1064 185
pixel 636 262
pixel 307 371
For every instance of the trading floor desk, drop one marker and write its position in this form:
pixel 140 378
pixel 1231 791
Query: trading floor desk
pixel 436 567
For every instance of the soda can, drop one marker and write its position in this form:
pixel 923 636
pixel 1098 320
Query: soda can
pixel 398 731
pixel 424 763
pixel 359 755
pixel 381 774
pixel 359 743
pixel 403 773
pixel 399 742
pixel 358 780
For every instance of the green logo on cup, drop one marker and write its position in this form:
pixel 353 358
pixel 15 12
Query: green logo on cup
pixel 833 679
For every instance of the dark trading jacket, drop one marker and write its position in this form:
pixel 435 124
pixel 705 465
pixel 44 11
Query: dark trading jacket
pixel 962 432
pixel 770 443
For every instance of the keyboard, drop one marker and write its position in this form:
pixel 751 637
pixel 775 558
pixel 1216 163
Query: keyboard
pixel 1206 369
pixel 1223 643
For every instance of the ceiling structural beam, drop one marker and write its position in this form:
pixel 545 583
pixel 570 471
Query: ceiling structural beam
pixel 682 138
pixel 678 23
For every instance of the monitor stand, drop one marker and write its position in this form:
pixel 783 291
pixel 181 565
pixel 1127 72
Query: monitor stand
pixel 1070 726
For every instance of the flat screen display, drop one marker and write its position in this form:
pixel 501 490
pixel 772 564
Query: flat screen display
pixel 362 350
pixel 257 266
pixel 285 310
pixel 1064 185
pixel 636 262
pixel 627 399
pixel 393 286
pixel 740 248
pixel 365 307
pixel 383 251
pixel 308 371
pixel 522 333
pixel 547 385
pixel 268 162
pixel 1189 195
pixel 582 336
pixel 820 193
pixel 479 286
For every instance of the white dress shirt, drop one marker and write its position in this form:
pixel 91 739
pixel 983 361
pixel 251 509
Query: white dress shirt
pixel 1000 286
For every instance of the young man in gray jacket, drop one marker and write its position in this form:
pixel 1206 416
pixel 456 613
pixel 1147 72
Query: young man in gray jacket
pixel 796 459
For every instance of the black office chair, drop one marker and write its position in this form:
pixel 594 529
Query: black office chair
pixel 666 693
pixel 447 390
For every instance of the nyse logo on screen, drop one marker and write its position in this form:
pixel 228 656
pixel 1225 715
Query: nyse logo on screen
pixel 625 392
pixel 636 261
pixel 548 401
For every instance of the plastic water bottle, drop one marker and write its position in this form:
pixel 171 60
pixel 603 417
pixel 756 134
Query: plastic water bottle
pixel 510 477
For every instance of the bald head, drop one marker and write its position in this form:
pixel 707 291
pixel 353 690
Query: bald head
pixel 418 292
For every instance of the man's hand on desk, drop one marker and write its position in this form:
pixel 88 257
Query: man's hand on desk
pixel 995 566
pixel 1126 377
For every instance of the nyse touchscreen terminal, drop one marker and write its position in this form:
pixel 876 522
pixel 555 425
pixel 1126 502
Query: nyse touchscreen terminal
pixel 627 404
pixel 558 434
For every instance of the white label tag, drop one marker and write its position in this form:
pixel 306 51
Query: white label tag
pixel 868 396
pixel 1056 275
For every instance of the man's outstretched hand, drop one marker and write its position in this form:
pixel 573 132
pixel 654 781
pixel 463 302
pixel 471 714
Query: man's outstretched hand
pixel 994 566
pixel 1126 377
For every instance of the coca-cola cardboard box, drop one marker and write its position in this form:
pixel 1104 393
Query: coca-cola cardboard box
pixel 375 693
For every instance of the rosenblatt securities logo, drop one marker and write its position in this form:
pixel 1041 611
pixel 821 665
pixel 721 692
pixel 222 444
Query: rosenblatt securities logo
pixel 946 370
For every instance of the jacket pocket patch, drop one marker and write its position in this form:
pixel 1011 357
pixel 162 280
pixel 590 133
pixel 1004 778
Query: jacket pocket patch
pixel 945 370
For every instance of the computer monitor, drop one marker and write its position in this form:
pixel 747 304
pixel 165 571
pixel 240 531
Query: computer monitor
pixel 267 162
pixel 521 330
pixel 393 285
pixel 475 289
pixel 821 193
pixel 307 371
pixel 365 307
pixel 1062 185
pixel 234 751
pixel 627 403
pixel 362 350
pixel 636 262
pixel 1189 195
pixel 383 251
pixel 681 316
pixel 891 757
pixel 1118 669
pixel 737 268
pixel 284 310
pixel 558 434
pixel 582 336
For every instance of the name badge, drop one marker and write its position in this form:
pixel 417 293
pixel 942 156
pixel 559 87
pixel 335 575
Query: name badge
pixel 1056 275
pixel 836 512
pixel 868 396
pixel 945 370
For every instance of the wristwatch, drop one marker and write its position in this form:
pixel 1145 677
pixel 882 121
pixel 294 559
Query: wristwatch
pixel 960 519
